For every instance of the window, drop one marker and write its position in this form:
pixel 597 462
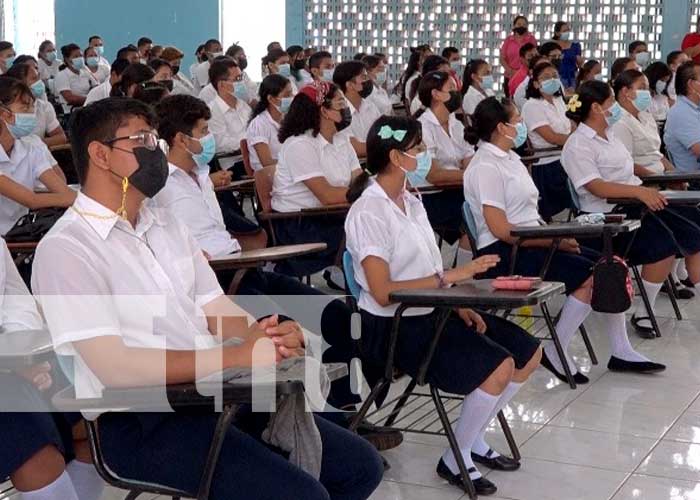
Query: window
pixel 28 23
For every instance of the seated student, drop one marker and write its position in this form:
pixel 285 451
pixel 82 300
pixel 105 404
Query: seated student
pixel 129 53
pixel 544 114
pixel 600 167
pixel 682 131
pixel 144 46
pixel 477 84
pixel 674 60
pixel 351 77
pixel 208 92
pixel 99 72
pixel 298 62
pixel 376 71
pixel 591 70
pixel 7 56
pixel 321 66
pixel 501 194
pixel 659 76
pixel 519 97
pixel 163 72
pixel 315 166
pixel 200 76
pixel 237 53
pixel 45 453
pixel 199 58
pixel 181 84
pixel 117 244
pixel 526 52
pixel 99 45
pixel 48 63
pixel 47 128
pixel 619 66
pixel 412 71
pixel 24 161
pixel 132 80
pixel 263 129
pixel 393 247
pixel 73 81
pixel 453 57
pixel 277 63
pixel 103 90
pixel 639 52
pixel 432 63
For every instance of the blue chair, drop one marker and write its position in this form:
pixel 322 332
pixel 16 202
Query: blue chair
pixel 351 284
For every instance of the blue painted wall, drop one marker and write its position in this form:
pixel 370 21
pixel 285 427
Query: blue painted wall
pixel 675 25
pixel 182 23
pixel 294 22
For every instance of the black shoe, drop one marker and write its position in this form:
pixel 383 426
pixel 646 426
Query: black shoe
pixel 482 485
pixel 500 462
pixel 686 282
pixel 682 293
pixel 645 332
pixel 579 377
pixel 332 284
pixel 381 438
pixel 620 365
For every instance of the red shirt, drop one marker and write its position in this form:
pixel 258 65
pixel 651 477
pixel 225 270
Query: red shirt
pixel 517 79
pixel 691 40
pixel 510 51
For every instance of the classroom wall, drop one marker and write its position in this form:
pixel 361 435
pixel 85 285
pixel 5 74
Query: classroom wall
pixel 182 23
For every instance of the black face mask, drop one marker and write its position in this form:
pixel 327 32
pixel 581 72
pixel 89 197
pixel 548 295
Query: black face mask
pixel 556 63
pixel 176 69
pixel 520 30
pixel 299 64
pixel 345 120
pixel 243 64
pixel 455 101
pixel 152 173
pixel 168 84
pixel 367 88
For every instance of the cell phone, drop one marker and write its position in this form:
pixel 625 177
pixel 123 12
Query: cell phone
pixel 614 218
pixel 522 283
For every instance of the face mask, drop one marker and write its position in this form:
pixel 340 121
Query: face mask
pixel 208 143
pixel 214 55
pixel 598 77
pixel 520 30
pixel 328 75
pixel 615 115
pixel 556 63
pixel 93 61
pixel 168 84
pixel 345 119
pixel 566 36
pixel 643 58
pixel 643 100
pixel 78 62
pixel 551 86
pixel 38 88
pixel 367 88
pixel 455 101
pixel 423 163
pixel 151 175
pixel 661 86
pixel 243 63
pixel 520 134
pixel 285 70
pixel 284 105
pixel 299 64
pixel 24 125
pixel 455 65
pixel 487 82
pixel 381 77
pixel 240 91
pixel 9 61
pixel 50 56
pixel 100 50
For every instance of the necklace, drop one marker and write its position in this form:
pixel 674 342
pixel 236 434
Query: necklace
pixel 93 214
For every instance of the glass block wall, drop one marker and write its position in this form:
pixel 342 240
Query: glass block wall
pixel 476 27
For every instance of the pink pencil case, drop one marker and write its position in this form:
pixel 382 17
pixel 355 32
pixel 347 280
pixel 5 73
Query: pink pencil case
pixel 515 283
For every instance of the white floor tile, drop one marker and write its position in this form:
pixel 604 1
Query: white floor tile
pixel 675 460
pixel 390 490
pixel 415 463
pixel 687 429
pixel 640 487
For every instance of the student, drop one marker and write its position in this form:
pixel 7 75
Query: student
pixel 200 75
pixel 321 66
pixel 431 63
pixel 99 72
pixel 48 63
pixel 277 62
pixel 544 114
pixel 132 80
pixel 639 52
pixel 199 58
pixel 103 90
pixel 237 53
pixel 552 51
pixel 299 65
pixel 520 93
pixel 262 133
pixel 510 50
pixel 24 161
pixel 47 128
pixel 7 56
pixel 674 61
pixel 376 71
pixel 619 65
pixel 229 111
pixel 600 167
pixel 144 46
pixel 73 81
pixel 130 53
pixel 412 71
pixel 453 57
pixel 181 84
pixel 163 73
pixel 97 43
pixel 526 52
pixel 208 92
pixel 351 77
pixel 314 168
pixel 393 247
pixel 591 70
pixel 682 131
pixel 119 243
pixel 155 52
pixel 571 54
pixel 477 84
pixel 501 194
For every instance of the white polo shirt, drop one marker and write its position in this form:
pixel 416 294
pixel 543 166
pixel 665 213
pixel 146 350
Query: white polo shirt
pixel 362 119
pixel 18 309
pixel 102 73
pixel 28 160
pixel 98 93
pixel 448 150
pixel 79 84
pixel 200 76
pixel 472 99
pixel 228 126
pixel 499 179
pixel 659 107
pixel 97 277
pixel 48 71
pixel 193 203
pixel 263 129
pixel 540 112
pixel 587 156
pixel 208 93
pixel 182 85
pixel 46 120
pixel 641 138
pixel 519 96
pixel 375 226
pixel 304 157
pixel 380 98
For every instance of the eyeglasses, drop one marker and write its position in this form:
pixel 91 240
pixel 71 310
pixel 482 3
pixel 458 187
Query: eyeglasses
pixel 148 140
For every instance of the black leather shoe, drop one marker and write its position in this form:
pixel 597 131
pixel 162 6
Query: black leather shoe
pixel 500 462
pixel 579 377
pixel 620 365
pixel 482 485
pixel 682 292
pixel 645 332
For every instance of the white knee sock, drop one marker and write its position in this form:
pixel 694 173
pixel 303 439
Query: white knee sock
pixel 61 488
pixel 652 290
pixel 681 271
pixel 87 483
pixel 476 409
pixel 480 446
pixel 572 315
pixel 464 256
pixel 620 346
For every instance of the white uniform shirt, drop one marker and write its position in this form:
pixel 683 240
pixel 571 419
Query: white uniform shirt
pixel 79 84
pixel 304 157
pixel 375 226
pixel 447 150
pixel 97 277
pixel 641 138
pixel 409 84
pixel 102 73
pixel 200 76
pixel 28 160
pixel 499 179
pixel 672 87
pixel 305 77
pixel 98 93
pixel 228 126
pixel 182 85
pixel 362 119
pixel 263 129
pixel 539 112
pixel 46 120
pixel 380 98
pixel 519 96
pixel 587 156
pixel 18 309
pixel 208 93
pixel 472 99
pixel 47 71
pixel 659 107
pixel 193 203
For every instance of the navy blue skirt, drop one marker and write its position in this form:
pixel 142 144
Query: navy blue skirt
pixel 551 182
pixel 444 211
pixel 463 359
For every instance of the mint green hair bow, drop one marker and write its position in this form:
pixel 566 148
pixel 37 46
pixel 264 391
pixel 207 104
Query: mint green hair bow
pixel 386 133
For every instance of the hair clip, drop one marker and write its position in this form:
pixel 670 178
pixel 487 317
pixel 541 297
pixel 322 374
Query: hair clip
pixel 574 103
pixel 386 132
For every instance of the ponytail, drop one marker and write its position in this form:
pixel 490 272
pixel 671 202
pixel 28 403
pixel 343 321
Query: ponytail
pixel 357 186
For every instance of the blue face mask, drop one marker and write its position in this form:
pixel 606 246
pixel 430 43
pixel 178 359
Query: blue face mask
pixel 78 62
pixel 38 88
pixel 285 70
pixel 208 144
pixel 566 36
pixel 51 56
pixel 487 82
pixel 285 104
pixel 24 125
pixel 520 134
pixel 381 77
pixel 240 91
pixel 328 75
pixel 9 61
pixel 598 77
pixel 455 65
pixel 100 50
pixel 615 115
pixel 424 161
pixel 551 86
pixel 643 100
pixel 93 61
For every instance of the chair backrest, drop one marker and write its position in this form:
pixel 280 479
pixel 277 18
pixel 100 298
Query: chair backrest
pixel 349 272
pixel 263 187
pixel 470 224
pixel 574 195
pixel 245 153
